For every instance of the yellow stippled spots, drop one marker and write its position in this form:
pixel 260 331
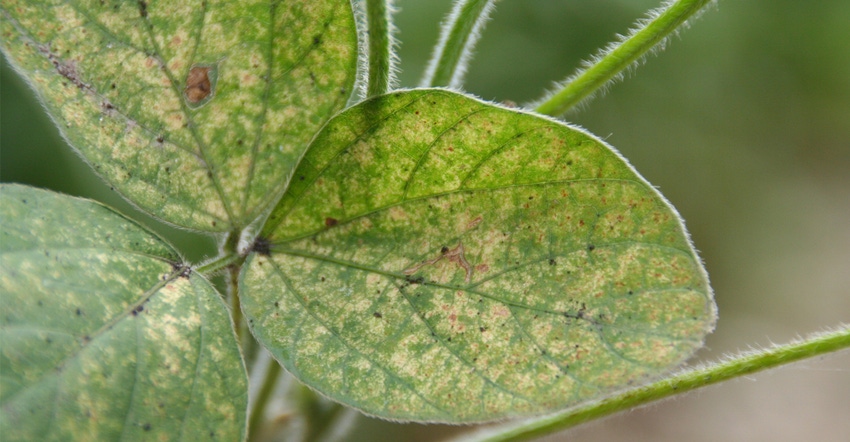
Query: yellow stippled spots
pixel 122 328
pixel 197 75
pixel 461 262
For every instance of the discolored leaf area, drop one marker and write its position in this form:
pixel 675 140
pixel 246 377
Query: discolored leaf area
pixel 105 335
pixel 438 258
pixel 196 111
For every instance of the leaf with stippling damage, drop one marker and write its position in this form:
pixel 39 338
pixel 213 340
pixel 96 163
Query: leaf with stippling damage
pixel 196 111
pixel 437 258
pixel 106 336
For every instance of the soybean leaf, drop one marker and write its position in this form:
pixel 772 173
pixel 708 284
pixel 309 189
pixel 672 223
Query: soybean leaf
pixel 437 258
pixel 196 111
pixel 105 335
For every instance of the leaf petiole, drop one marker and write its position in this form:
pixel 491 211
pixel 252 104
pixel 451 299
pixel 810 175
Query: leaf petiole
pixel 458 36
pixel 612 61
pixel 693 379
pixel 380 47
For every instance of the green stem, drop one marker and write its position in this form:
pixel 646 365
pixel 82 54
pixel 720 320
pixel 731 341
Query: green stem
pixel 677 384
pixel 380 47
pixel 458 36
pixel 319 414
pixel 220 262
pixel 235 307
pixel 258 410
pixel 611 63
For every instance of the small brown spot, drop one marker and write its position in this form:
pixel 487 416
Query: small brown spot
pixel 377 315
pixel 198 85
pixel 455 255
pixel 330 222
pixel 474 223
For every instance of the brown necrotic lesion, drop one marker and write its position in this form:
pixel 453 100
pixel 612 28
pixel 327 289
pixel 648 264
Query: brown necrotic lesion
pixel 454 255
pixel 198 84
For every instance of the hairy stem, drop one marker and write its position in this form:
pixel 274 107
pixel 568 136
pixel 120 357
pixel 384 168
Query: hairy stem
pixel 218 263
pixel 685 381
pixel 611 63
pixel 458 36
pixel 380 47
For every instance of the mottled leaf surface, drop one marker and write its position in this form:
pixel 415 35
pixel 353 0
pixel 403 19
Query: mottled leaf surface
pixel 105 336
pixel 196 111
pixel 437 258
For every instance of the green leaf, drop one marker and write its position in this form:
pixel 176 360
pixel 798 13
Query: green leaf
pixel 437 258
pixel 196 111
pixel 105 335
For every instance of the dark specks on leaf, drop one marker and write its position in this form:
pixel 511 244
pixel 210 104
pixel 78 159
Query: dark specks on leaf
pixel 377 315
pixel 79 312
pixel 146 427
pixel 551 261
pixel 262 246
pixel 411 280
pixel 143 8
pixel 591 247
pixel 185 271
pixel 330 222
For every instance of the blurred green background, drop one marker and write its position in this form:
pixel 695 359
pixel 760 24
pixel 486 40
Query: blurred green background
pixel 743 122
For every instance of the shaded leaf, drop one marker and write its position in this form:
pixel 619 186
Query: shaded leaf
pixel 105 335
pixel 196 111
pixel 437 258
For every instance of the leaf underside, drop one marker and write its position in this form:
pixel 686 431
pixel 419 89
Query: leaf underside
pixel 104 334
pixel 437 258
pixel 195 111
